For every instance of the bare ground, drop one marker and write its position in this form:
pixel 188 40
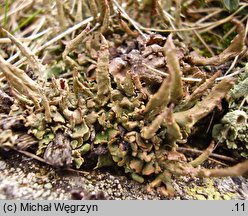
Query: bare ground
pixel 25 178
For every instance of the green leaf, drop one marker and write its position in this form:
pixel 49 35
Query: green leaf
pixel 231 5
pixel 27 20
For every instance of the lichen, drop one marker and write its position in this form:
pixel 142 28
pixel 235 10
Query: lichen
pixel 119 110
pixel 207 191
pixel 232 130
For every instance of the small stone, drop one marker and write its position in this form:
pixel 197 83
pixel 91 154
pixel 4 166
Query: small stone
pixel 38 193
pixel 12 169
pixel 46 193
pixel 3 165
pixel 48 186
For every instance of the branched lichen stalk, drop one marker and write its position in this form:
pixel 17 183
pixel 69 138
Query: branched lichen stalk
pixel 197 93
pixel 61 15
pixel 105 15
pixel 102 73
pixel 203 157
pixel 21 82
pixel 71 45
pixel 234 49
pixel 174 68
pixel 189 117
pixel 160 99
pixel 237 170
pixel 150 131
pixel 173 129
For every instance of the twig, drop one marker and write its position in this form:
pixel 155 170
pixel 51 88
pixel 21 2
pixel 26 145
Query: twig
pixel 199 152
pixel 191 79
pixel 211 121
pixel 232 65
pixel 166 74
pixel 174 30
pixel 205 26
pixel 218 162
pixel 209 16
pixel 39 25
pixel 231 75
pixel 220 22
pixel 33 156
pixel 165 16
pixel 203 10
pixel 242 103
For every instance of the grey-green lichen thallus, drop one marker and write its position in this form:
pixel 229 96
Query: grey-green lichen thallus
pixel 119 111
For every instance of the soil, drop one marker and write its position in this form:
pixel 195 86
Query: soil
pixel 25 178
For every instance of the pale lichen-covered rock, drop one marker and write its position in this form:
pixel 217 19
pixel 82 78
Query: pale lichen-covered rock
pixel 233 128
pixel 232 131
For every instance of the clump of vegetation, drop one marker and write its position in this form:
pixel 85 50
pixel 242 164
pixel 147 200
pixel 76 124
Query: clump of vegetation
pixel 116 93
pixel 232 129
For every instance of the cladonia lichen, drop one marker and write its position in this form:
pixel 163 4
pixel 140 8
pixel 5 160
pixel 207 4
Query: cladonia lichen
pixel 126 106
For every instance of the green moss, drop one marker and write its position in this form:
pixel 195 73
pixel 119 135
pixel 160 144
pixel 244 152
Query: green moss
pixel 215 39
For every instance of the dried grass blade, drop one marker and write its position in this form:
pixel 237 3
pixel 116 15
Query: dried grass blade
pixel 37 67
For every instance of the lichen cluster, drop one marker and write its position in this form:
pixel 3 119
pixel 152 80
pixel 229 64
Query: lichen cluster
pixel 233 127
pixel 124 102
